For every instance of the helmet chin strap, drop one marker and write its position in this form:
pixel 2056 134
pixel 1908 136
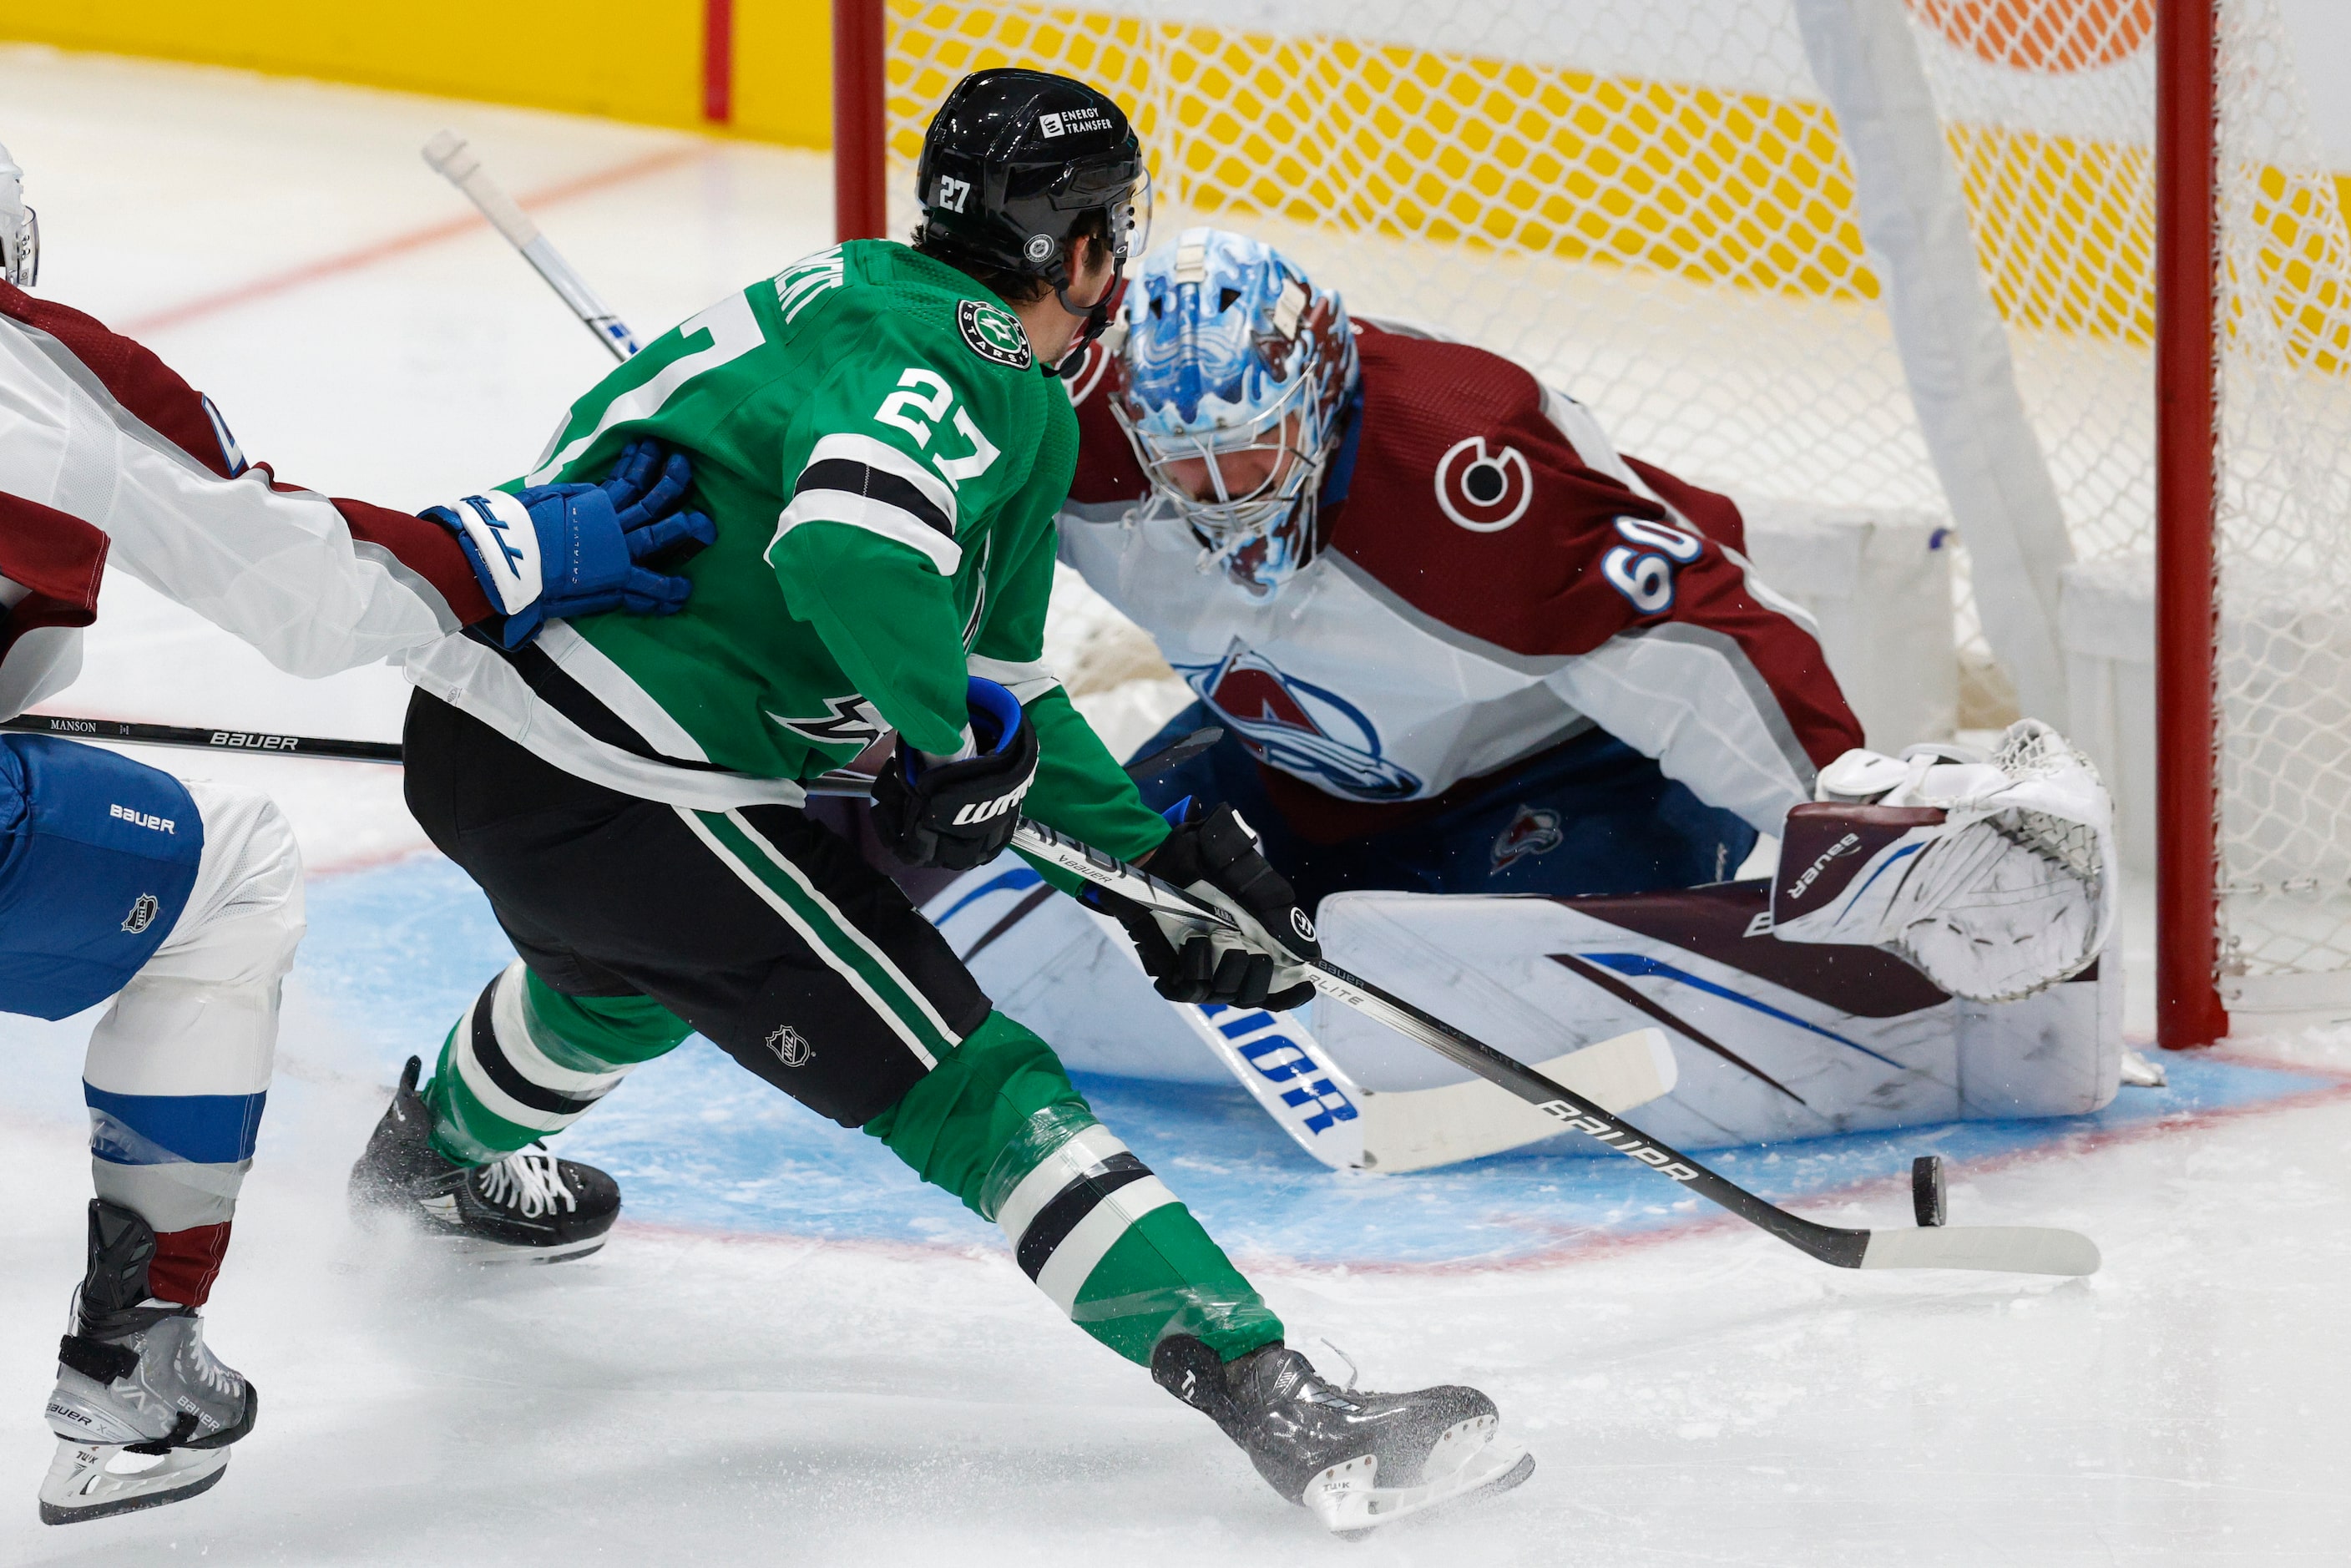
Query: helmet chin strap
pixel 1097 321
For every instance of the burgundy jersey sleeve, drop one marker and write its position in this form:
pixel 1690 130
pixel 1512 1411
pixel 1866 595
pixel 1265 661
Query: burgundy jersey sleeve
pixel 1471 502
pixel 1718 592
pixel 56 558
pixel 144 387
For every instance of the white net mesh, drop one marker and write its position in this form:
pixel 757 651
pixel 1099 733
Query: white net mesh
pixel 1647 203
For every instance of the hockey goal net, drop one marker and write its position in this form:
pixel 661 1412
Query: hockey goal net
pixel 1839 254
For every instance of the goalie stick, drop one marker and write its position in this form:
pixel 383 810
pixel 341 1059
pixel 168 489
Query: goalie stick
pixel 2021 1250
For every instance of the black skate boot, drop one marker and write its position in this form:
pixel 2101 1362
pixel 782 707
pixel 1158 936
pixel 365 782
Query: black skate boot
pixel 1356 1460
pixel 134 1378
pixel 529 1208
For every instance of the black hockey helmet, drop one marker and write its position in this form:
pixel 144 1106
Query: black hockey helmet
pixel 1013 163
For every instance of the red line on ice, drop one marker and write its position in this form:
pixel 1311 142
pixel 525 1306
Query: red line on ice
pixel 369 255
pixel 1582 1243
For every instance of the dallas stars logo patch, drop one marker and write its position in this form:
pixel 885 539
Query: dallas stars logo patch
pixel 994 334
pixel 846 721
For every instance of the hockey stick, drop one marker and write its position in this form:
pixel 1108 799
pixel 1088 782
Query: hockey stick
pixel 448 154
pixel 2008 1248
pixel 265 741
pixel 126 733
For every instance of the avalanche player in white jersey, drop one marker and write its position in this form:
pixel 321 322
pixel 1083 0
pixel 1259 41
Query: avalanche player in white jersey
pixel 182 902
pixel 1458 642
pixel 1461 645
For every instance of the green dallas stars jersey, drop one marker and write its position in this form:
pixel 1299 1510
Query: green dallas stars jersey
pixel 882 458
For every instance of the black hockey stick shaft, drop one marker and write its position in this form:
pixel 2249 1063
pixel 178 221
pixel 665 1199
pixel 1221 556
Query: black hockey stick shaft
pixel 202 739
pixel 270 742
pixel 1829 1243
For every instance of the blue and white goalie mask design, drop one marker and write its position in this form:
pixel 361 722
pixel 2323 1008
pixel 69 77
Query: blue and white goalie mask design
pixel 1235 377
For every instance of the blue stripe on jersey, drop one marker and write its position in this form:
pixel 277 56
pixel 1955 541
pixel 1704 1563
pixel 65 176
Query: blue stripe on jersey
pixel 165 1129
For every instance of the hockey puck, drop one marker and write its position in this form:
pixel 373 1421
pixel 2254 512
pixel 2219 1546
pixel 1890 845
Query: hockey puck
pixel 1926 1189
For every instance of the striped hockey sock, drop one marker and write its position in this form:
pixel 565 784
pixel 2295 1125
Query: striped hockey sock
pixel 527 1061
pixel 998 1124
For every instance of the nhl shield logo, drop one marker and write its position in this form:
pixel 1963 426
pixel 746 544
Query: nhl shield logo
pixel 993 333
pixel 790 1046
pixel 1531 832
pixel 142 912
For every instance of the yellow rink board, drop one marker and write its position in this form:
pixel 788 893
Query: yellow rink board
pixel 1711 186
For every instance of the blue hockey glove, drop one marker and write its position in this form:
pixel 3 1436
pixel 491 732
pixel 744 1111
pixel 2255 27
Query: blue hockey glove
pixel 573 549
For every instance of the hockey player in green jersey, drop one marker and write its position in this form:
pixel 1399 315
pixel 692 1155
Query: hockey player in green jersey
pixel 879 436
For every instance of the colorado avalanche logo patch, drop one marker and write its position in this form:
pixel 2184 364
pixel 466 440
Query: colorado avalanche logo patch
pixel 1531 832
pixel 1484 490
pixel 1299 727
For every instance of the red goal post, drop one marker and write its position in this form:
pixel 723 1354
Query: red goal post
pixel 2067 276
pixel 2187 454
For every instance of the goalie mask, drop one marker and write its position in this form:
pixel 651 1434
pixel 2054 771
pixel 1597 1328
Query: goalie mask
pixel 20 232
pixel 1236 373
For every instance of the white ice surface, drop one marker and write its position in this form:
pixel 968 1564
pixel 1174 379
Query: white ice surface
pixel 1706 1398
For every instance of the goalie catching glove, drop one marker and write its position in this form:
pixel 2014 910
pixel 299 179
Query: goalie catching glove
pixel 1214 856
pixel 957 812
pixel 1994 878
pixel 573 550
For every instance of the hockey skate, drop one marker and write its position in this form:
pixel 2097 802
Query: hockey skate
pixel 144 1412
pixel 527 1207
pixel 1356 1459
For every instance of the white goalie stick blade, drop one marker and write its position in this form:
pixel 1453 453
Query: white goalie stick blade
pixel 1277 1060
pixel 98 1480
pixel 1469 1457
pixel 1997 1248
pixel 1417 1129
pixel 1347 1127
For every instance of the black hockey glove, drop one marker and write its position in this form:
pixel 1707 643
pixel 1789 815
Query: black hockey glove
pixel 959 814
pixel 1214 856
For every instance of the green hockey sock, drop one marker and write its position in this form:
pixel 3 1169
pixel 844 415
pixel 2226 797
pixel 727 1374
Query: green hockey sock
pixel 526 1061
pixel 998 1124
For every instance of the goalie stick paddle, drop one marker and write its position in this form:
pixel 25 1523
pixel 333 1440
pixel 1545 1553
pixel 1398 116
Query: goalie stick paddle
pixel 2020 1249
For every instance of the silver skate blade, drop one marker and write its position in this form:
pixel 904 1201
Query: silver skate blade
pixel 470 1250
pixel 1468 1458
pixel 98 1480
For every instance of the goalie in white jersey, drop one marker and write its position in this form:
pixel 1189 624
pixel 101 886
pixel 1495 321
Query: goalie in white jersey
pixel 1461 645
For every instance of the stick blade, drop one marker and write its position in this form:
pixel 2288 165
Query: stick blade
pixel 1996 1248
